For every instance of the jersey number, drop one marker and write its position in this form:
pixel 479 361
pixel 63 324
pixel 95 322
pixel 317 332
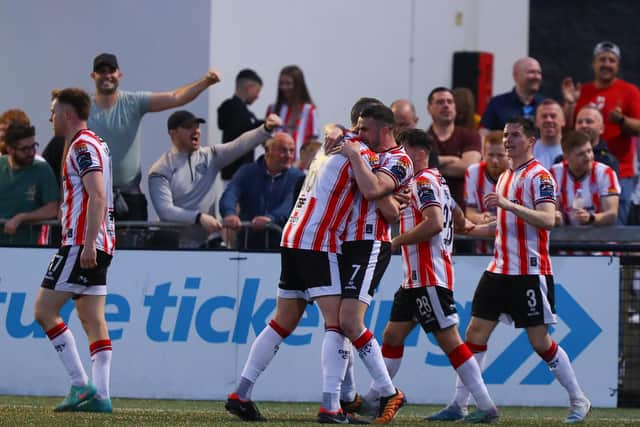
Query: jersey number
pixel 531 298
pixel 424 308
pixel 448 225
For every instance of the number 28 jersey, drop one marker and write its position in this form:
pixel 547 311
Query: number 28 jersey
pixel 428 263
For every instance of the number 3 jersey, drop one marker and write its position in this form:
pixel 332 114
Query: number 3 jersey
pixel 87 153
pixel 428 263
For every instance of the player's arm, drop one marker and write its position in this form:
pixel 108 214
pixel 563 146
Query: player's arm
pixel 476 216
pixel 93 183
pixel 389 208
pixel 161 101
pixel 372 185
pixel 432 223
pixel 543 216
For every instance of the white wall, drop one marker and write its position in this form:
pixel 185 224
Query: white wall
pixel 383 48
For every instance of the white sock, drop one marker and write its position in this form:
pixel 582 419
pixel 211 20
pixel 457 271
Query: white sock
pixel 469 373
pixel 392 356
pixel 462 395
pixel 560 366
pixel 62 340
pixel 263 349
pixel 101 367
pixel 371 355
pixel 334 361
pixel 348 389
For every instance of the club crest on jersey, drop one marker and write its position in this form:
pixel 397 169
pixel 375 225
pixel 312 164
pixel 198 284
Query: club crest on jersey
pixel 546 186
pixel 425 192
pixel 84 159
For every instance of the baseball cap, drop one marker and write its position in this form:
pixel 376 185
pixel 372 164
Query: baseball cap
pixel 105 59
pixel 181 118
pixel 606 46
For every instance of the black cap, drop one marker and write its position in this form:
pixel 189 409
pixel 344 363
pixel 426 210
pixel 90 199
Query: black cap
pixel 105 59
pixel 248 74
pixel 181 118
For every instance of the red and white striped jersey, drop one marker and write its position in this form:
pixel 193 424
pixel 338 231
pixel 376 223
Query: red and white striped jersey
pixel 320 214
pixel 477 183
pixel 87 152
pixel 365 220
pixel 521 248
pixel 428 263
pixel 304 127
pixel 601 181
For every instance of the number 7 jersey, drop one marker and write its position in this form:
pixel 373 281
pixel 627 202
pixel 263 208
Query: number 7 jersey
pixel 428 263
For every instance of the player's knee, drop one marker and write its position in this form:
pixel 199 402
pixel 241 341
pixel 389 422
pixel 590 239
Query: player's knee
pixel 43 316
pixel 393 337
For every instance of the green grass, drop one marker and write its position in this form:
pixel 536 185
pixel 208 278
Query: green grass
pixel 23 411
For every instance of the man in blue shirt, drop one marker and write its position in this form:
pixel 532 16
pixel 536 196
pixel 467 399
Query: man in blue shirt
pixel 523 100
pixel 264 192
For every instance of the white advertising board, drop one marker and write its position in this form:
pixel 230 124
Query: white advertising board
pixel 182 324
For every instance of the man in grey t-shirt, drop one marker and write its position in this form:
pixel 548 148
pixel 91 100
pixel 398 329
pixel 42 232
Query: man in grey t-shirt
pixel 115 116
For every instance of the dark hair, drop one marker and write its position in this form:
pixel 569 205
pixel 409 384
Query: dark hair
pixel 76 98
pixel 300 91
pixel 465 107
pixel 415 138
pixel 380 113
pixel 436 90
pixel 528 127
pixel 573 139
pixel 248 74
pixel 360 105
pixel 17 131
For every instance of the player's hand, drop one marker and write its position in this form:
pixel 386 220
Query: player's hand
pixel 494 200
pixel 11 226
pixel 570 91
pixel 559 218
pixel 213 76
pixel 349 149
pixel 209 223
pixel 260 222
pixel 394 245
pixel 272 122
pixel 487 217
pixel 333 136
pixel 466 228
pixel 403 197
pixel 232 221
pixel 88 257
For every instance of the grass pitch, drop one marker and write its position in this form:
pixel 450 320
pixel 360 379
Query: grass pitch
pixel 37 411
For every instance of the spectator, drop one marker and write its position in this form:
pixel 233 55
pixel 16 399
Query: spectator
pixel 588 191
pixel 481 179
pixel 181 180
pixel 54 150
pixel 295 107
pixel 28 190
pixel 466 116
pixel 115 116
pixel 549 121
pixel 404 114
pixel 589 120
pixel 234 118
pixel 8 117
pixel 263 191
pixel 619 103
pixel 521 101
pixel 458 148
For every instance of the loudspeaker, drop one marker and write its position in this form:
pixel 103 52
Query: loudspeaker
pixel 474 70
